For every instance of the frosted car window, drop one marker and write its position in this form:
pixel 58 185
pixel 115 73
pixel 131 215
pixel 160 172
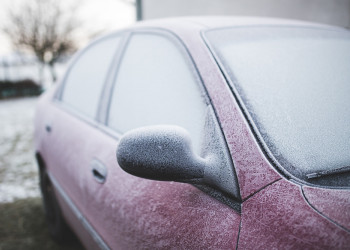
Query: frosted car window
pixel 86 78
pixel 295 84
pixel 157 84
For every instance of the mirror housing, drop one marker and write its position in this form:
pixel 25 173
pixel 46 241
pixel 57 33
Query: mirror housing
pixel 160 153
pixel 165 153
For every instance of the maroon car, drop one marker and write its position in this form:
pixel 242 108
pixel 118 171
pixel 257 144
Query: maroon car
pixel 238 127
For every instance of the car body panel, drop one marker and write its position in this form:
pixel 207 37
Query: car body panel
pixel 135 213
pixel 68 164
pixel 278 217
pixel 75 219
pixel 332 203
pixel 127 211
pixel 45 144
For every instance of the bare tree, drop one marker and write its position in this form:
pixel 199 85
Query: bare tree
pixel 45 28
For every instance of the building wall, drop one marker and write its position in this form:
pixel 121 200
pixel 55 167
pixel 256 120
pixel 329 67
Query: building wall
pixel 335 12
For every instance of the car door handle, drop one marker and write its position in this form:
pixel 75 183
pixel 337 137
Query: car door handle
pixel 48 128
pixel 99 171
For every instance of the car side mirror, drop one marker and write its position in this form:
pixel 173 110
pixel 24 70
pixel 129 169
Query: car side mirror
pixel 165 153
pixel 160 153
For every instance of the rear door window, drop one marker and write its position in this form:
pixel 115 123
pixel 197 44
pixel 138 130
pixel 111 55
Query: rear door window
pixel 85 79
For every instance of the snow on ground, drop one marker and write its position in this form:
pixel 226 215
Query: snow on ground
pixel 18 170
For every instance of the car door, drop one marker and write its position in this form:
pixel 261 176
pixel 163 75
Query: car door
pixel 72 118
pixel 156 83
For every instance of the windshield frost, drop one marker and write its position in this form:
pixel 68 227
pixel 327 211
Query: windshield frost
pixel 295 84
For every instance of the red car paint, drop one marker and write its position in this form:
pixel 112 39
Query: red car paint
pixel 279 218
pixel 134 213
pixel 332 203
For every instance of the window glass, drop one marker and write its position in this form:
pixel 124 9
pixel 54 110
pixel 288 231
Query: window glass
pixel 156 84
pixel 295 83
pixel 85 80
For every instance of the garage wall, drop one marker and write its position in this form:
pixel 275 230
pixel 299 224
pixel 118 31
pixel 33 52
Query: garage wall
pixel 335 12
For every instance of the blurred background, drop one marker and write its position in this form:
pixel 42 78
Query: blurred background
pixel 37 40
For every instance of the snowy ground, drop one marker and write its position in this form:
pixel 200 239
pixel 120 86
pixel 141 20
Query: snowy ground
pixel 18 170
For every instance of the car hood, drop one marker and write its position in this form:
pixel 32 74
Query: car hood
pixel 332 203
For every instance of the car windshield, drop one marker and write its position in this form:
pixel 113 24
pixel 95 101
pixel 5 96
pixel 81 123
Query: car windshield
pixel 294 83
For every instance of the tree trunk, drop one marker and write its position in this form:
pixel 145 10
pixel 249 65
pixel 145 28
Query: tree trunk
pixel 53 72
pixel 41 73
pixel 6 70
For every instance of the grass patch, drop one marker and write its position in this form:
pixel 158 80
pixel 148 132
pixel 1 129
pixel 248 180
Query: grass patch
pixel 23 226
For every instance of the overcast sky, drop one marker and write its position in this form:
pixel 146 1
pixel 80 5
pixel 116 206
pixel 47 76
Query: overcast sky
pixel 106 15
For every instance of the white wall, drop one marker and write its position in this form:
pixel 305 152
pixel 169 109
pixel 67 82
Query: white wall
pixel 335 12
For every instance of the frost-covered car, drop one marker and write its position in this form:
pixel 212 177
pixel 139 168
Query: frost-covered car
pixel 238 128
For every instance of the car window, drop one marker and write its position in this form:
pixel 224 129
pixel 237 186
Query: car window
pixel 157 84
pixel 85 79
pixel 295 85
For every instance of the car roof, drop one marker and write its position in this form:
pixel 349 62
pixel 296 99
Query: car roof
pixel 193 25
pixel 212 22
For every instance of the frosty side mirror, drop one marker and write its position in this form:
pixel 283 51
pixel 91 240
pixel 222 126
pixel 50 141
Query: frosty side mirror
pixel 160 153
